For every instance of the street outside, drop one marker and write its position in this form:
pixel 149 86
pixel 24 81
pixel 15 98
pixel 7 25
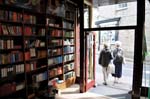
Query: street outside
pixel 125 82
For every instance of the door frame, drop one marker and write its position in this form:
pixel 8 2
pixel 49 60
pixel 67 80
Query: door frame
pixel 138 64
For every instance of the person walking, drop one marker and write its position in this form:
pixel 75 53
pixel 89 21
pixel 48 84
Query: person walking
pixel 118 60
pixel 105 58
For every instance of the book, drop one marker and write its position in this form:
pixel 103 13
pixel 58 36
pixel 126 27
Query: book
pixel 27 67
pixel 18 30
pixel 5 30
pixel 2 14
pixel 27 55
pixel 32 52
pixel 42 54
pixel 27 31
pixel 20 86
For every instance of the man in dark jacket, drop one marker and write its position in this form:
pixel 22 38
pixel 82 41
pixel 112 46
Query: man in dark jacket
pixel 104 60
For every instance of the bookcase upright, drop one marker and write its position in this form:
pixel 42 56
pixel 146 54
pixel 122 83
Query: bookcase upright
pixel 37 48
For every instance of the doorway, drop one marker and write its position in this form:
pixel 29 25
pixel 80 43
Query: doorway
pixel 120 89
pixel 112 22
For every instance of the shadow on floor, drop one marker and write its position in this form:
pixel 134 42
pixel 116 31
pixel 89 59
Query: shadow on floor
pixel 121 96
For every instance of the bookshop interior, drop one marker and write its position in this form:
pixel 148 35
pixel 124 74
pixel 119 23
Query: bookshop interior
pixel 49 45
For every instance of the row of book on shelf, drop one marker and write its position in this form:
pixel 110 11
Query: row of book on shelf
pixel 55 71
pixel 18 30
pixel 59 70
pixel 30 31
pixel 14 56
pixel 31 66
pixel 56 80
pixel 40 77
pixel 60 59
pixel 60 24
pixel 11 70
pixel 17 69
pixel 9 88
pixel 43 76
pixel 9 44
pixel 54 52
pixel 60 33
pixel 69 67
pixel 33 43
pixel 17 17
pixel 68 49
pixel 59 42
pixel 58 51
pixel 17 56
pixel 32 53
pixel 10 30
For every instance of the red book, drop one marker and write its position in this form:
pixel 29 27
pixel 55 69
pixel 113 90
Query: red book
pixel 53 33
pixel 28 31
pixel 26 18
pixel 19 17
pixel 27 68
pixel 13 87
pixel 14 17
pixel 21 56
pixel 56 33
pixel 27 55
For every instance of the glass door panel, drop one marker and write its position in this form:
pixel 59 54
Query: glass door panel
pixel 90 61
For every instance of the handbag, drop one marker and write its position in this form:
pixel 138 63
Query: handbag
pixel 111 68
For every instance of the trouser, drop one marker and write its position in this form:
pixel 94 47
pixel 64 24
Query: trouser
pixel 105 74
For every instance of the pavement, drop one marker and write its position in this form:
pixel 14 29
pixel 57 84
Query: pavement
pixel 114 90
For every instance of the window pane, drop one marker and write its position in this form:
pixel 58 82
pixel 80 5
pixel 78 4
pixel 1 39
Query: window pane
pixel 90 56
pixel 107 13
pixel 146 65
pixel 86 16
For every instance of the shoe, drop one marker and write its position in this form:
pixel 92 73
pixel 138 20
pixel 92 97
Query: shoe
pixel 104 83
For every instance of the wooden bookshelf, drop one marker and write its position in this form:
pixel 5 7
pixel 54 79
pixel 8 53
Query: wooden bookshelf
pixel 36 47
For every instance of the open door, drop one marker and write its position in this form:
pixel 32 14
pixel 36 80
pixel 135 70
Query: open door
pixel 87 47
pixel 90 61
